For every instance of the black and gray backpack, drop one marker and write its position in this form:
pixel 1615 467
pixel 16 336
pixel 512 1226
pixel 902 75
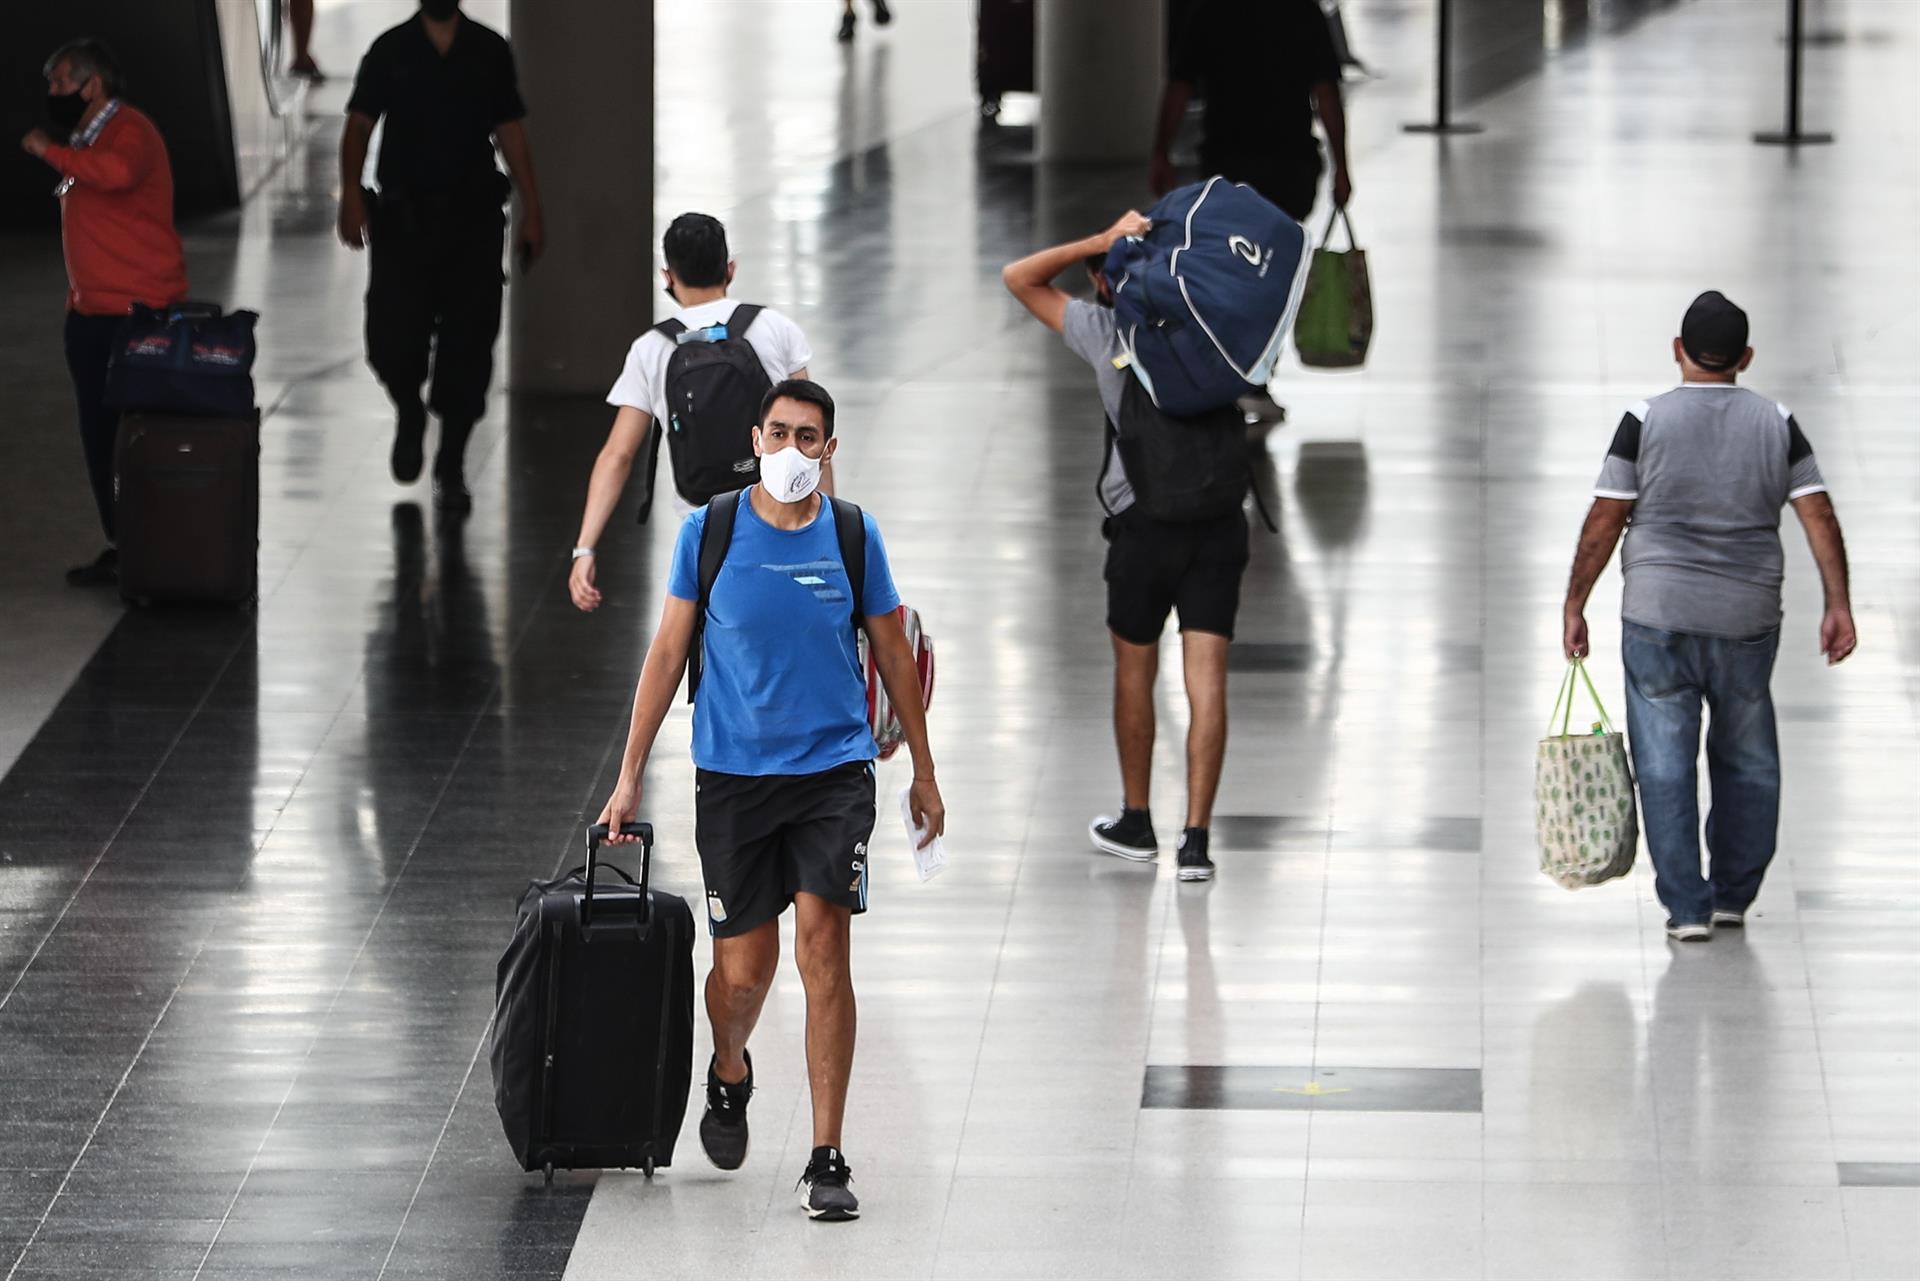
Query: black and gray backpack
pixel 715 383
pixel 1181 469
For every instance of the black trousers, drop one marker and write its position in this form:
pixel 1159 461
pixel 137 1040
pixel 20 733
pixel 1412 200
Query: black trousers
pixel 1290 182
pixel 89 351
pixel 433 307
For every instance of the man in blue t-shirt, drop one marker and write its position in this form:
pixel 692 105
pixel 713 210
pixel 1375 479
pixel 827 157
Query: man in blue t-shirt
pixel 784 790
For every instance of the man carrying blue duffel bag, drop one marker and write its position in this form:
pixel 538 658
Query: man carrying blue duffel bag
pixel 1172 486
pixel 1203 299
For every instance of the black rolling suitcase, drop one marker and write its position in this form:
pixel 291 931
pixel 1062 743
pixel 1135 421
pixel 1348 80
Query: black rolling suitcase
pixel 187 507
pixel 593 1019
pixel 1003 58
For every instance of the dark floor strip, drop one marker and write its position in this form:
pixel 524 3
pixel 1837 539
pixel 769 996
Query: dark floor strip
pixel 1880 1174
pixel 1306 1089
pixel 257 875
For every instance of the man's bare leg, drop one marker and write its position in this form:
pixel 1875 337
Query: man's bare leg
pixel 1204 655
pixel 737 987
pixel 822 942
pixel 1135 668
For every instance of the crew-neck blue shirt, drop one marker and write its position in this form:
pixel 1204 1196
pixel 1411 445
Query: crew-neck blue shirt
pixel 781 689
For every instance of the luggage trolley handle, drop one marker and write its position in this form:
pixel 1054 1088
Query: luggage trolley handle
pixel 597 833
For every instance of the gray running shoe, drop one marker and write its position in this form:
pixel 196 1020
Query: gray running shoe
pixel 823 1188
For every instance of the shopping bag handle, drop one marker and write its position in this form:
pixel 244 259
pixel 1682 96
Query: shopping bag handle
pixel 1338 213
pixel 1566 697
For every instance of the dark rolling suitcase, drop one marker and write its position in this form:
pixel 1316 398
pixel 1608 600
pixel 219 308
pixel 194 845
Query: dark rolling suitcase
pixel 1003 58
pixel 187 507
pixel 593 1019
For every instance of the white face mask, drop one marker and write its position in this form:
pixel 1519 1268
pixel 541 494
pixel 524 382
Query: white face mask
pixel 788 475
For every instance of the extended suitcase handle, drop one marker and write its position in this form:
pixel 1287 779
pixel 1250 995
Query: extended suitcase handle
pixel 599 832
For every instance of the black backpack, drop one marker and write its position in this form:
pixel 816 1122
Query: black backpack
pixel 714 389
pixel 716 536
pixel 1181 469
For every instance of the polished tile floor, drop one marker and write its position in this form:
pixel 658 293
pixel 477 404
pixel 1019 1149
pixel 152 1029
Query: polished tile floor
pixel 255 870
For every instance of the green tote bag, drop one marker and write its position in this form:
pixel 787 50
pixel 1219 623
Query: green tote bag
pixel 1335 323
pixel 1584 811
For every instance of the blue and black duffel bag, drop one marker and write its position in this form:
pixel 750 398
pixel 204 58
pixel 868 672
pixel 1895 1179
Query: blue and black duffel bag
pixel 1204 301
pixel 190 358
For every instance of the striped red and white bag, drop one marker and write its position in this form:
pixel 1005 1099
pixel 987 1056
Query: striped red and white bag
pixel 881 719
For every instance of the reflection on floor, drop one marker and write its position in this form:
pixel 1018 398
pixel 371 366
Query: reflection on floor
pixel 257 870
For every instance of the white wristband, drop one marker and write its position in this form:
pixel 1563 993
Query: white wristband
pixel 578 552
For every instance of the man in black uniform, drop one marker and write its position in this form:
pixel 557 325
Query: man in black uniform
pixel 445 86
pixel 1265 68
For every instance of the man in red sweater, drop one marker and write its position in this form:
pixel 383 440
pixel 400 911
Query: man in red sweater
pixel 116 224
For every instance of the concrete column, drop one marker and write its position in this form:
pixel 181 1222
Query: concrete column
pixel 586 72
pixel 1100 64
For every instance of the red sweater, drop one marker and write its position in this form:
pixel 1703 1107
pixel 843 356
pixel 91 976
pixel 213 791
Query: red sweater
pixel 116 220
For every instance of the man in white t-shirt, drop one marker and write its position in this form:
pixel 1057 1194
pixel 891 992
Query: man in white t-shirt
pixel 697 274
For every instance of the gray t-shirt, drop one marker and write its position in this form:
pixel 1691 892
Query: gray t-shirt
pixel 1707 466
pixel 1091 335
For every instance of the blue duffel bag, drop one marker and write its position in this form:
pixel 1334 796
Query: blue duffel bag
pixel 1204 301
pixel 189 358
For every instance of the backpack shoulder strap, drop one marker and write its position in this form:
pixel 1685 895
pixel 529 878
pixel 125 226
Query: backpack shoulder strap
pixel 716 536
pixel 850 525
pixel 1107 441
pixel 670 328
pixel 742 318
pixel 1260 503
pixel 650 467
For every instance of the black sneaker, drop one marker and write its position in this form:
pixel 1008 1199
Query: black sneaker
pixel 723 1129
pixel 409 438
pixel 102 571
pixel 823 1188
pixel 881 14
pixel 846 27
pixel 1192 856
pixel 1130 836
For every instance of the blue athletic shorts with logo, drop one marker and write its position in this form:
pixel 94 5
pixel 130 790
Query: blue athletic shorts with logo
pixel 763 839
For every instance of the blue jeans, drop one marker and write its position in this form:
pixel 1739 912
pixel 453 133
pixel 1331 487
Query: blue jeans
pixel 1668 674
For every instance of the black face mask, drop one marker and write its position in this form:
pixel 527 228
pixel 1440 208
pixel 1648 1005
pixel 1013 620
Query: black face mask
pixel 440 10
pixel 66 110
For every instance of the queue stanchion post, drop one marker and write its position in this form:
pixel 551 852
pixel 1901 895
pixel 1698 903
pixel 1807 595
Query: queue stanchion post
pixel 1443 124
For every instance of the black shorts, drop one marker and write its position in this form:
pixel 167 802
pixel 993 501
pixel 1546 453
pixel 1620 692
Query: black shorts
pixel 764 839
pixel 1155 566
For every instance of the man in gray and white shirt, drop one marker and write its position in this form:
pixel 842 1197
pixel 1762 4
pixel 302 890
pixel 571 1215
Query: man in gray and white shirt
pixel 1702 472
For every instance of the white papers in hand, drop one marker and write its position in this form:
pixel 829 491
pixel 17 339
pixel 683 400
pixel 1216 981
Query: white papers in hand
pixel 930 860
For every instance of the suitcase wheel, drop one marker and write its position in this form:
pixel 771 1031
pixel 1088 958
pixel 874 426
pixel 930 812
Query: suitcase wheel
pixel 549 1174
pixel 647 1169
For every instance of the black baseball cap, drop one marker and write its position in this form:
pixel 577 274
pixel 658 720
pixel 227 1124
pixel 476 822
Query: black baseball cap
pixel 1714 332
